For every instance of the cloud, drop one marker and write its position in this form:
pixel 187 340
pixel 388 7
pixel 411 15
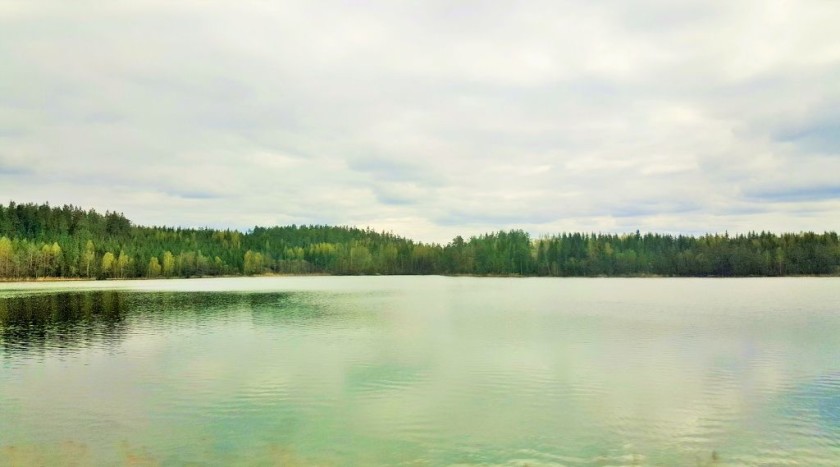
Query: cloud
pixel 196 195
pixel 429 119
pixel 792 194
pixel 820 134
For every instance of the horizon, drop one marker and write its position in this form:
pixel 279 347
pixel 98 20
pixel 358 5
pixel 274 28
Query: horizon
pixel 428 121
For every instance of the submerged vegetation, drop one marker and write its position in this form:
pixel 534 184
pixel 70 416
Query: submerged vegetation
pixel 69 242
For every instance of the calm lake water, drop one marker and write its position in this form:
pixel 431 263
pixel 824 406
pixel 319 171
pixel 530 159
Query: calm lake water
pixel 421 371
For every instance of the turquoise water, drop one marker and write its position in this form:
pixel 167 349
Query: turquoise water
pixel 421 371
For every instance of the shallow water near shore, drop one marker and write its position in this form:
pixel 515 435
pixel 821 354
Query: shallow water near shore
pixel 421 371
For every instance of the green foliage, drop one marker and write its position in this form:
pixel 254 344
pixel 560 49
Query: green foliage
pixel 88 259
pixel 154 268
pixel 168 264
pixel 108 264
pixel 6 257
pixel 39 240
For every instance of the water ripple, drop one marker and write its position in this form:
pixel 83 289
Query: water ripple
pixel 452 372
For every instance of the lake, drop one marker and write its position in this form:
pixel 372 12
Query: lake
pixel 421 371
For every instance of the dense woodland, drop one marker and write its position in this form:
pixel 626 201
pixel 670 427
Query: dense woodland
pixel 44 241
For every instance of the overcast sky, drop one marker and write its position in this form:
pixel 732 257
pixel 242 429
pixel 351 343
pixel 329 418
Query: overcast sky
pixel 427 118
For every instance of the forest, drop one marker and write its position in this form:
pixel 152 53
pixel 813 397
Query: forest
pixel 42 241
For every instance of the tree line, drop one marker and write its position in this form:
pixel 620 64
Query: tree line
pixel 38 240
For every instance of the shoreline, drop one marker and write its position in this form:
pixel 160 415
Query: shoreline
pixel 8 280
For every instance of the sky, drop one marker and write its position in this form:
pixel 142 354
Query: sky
pixel 428 119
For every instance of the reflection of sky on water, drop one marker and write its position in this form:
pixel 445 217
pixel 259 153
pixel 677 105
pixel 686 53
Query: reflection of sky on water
pixel 829 408
pixel 822 398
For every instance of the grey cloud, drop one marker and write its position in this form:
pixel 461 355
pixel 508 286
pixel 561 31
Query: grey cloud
pixel 10 133
pixel 9 170
pixel 467 218
pixel 394 200
pixel 402 193
pixel 383 169
pixel 820 135
pixel 10 166
pixel 794 194
pixel 654 208
pixel 196 195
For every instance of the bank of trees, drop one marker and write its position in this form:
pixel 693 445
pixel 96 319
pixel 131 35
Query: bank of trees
pixel 44 241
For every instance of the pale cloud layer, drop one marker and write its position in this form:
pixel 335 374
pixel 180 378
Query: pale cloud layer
pixel 429 118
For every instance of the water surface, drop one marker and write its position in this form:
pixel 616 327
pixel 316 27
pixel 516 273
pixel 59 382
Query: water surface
pixel 421 371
